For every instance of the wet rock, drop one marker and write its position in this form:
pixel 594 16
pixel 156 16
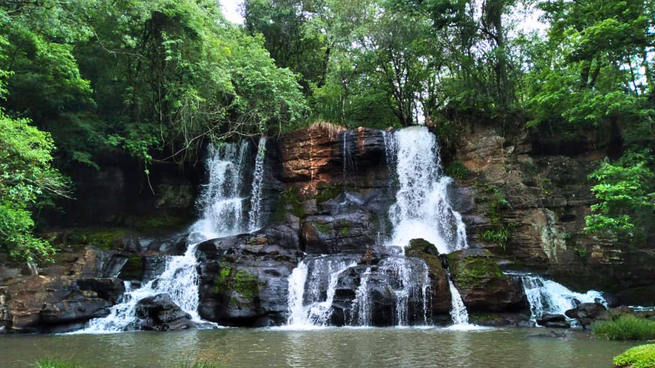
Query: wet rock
pixel 439 286
pixel 481 283
pixel 349 232
pixel 160 313
pixel 243 279
pixel 553 321
pixel 586 313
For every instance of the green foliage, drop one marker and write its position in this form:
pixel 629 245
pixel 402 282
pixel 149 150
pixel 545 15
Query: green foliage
pixel 638 357
pixel 499 233
pixel 27 184
pixel 626 195
pixel 457 170
pixel 625 327
pixel 101 238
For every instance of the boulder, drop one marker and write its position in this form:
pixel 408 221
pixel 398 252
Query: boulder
pixel 160 313
pixel 553 321
pixel 586 313
pixel 439 285
pixel 481 283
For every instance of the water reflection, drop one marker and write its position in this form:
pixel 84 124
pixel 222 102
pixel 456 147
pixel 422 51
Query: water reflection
pixel 368 348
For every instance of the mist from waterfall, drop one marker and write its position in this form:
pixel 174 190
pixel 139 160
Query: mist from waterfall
pixel 222 214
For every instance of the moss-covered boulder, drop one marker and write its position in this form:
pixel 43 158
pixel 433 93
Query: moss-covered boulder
pixel 441 298
pixel 482 284
pixel 638 357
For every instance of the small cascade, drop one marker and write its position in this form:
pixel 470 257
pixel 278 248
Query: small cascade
pixel 408 281
pixel 221 215
pixel 549 297
pixel 254 217
pixel 362 304
pixel 422 208
pixel 348 148
pixel 458 313
pixel 312 286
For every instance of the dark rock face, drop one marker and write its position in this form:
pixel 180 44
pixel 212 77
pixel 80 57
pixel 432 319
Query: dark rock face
pixel 160 313
pixel 481 283
pixel 586 313
pixel 439 287
pixel 553 321
pixel 243 279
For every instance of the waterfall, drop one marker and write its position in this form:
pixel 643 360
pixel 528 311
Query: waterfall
pixel 409 282
pixel 254 222
pixel 221 215
pixel 422 209
pixel 458 313
pixel 349 163
pixel 361 305
pixel 312 286
pixel 549 297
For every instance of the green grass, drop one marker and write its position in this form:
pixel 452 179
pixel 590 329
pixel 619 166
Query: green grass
pixel 626 328
pixel 638 357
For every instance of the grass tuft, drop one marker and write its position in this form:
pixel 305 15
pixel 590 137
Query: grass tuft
pixel 626 328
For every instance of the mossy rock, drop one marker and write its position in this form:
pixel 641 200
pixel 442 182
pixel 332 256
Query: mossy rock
pixel 473 267
pixel 101 238
pixel 133 268
pixel 419 246
pixel 638 357
pixel 159 223
pixel 238 284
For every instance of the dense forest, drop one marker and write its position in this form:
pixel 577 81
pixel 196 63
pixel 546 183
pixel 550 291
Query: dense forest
pixel 85 79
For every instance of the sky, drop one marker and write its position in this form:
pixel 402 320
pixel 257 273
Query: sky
pixel 231 10
pixel 529 16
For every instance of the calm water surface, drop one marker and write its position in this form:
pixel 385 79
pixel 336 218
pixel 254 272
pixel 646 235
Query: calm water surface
pixel 374 348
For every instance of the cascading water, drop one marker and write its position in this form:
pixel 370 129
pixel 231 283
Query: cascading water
pixel 222 215
pixel 549 297
pixel 422 208
pixel 362 304
pixel 254 217
pixel 311 293
pixel 458 313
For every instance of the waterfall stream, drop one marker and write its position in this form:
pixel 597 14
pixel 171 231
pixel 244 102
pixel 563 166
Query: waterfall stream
pixel 549 297
pixel 254 217
pixel 422 208
pixel 222 210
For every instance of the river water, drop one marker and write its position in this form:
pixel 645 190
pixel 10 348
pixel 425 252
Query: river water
pixel 333 347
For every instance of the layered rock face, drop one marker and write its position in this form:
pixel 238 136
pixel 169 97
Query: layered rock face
pixel 326 197
pixel 540 198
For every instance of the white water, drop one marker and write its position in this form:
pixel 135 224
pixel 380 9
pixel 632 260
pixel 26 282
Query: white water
pixel 458 313
pixel 222 215
pixel 361 306
pixel 307 306
pixel 254 217
pixel 549 297
pixel 422 209
pixel 408 282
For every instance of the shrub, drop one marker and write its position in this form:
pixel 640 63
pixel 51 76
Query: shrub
pixel 626 328
pixel 638 357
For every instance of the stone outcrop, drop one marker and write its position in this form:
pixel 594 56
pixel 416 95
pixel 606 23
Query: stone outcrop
pixel 586 313
pixel 160 313
pixel 531 199
pixel 482 284
pixel 82 289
